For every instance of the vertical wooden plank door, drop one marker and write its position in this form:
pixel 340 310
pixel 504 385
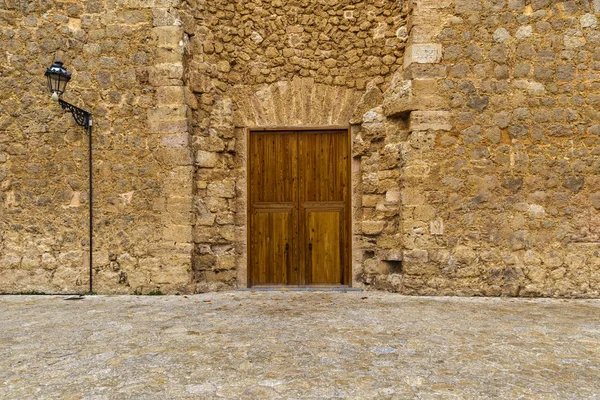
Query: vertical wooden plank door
pixel 273 191
pixel 299 208
pixel 323 187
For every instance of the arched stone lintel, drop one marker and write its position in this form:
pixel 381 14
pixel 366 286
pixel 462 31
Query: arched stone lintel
pixel 297 103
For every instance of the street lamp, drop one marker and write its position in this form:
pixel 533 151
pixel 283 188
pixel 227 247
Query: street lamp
pixel 58 77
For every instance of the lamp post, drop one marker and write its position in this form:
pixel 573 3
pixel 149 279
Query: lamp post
pixel 58 77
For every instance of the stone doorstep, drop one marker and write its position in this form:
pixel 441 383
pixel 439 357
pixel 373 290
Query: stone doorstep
pixel 300 289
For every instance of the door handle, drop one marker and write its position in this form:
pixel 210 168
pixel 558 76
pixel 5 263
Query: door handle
pixel 287 247
pixel 310 246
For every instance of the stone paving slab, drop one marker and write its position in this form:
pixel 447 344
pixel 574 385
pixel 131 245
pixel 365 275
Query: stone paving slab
pixel 304 345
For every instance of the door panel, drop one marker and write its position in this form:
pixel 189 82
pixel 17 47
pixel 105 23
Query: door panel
pixel 273 207
pixel 323 197
pixel 272 247
pixel 325 248
pixel 323 166
pixel 273 168
pixel 298 222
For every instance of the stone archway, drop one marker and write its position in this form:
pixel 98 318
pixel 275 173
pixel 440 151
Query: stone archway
pixel 297 103
pixel 220 233
pixel 300 102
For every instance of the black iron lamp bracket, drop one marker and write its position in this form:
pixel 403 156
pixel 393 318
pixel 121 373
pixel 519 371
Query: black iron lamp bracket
pixel 82 117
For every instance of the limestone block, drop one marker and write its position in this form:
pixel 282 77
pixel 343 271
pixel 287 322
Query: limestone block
pixel 215 204
pixel 595 200
pixel 426 53
pixel 423 34
pixel 428 93
pixel 210 143
pixel 536 274
pixel 170 96
pixel 432 4
pixel 372 227
pixel 464 255
pixel 178 233
pixel 392 196
pixel 174 156
pixel 206 159
pixel 190 98
pixel 73 257
pixel 227 232
pixel 371 200
pixel 135 4
pixel 390 253
pixel 177 273
pixel 415 256
pixel 375 266
pixel 524 32
pixel 168 37
pixel 558 273
pixel 176 218
pixel 572 42
pixel 501 35
pixel 226 262
pixel 166 74
pixel 168 55
pixel 424 18
pixel 48 261
pixel 204 216
pixel 467 6
pixel 66 279
pixel 536 211
pixel 220 276
pixel 430 120
pixel 412 196
pixel 177 204
pixel 206 234
pixel 589 21
pixel 179 180
pixel 422 140
pixel 424 213
pixel 369 100
pixel 168 126
pixel 165 17
pixel 399 98
pixel 223 189
pixel 418 169
pixel 177 140
pixel 552 258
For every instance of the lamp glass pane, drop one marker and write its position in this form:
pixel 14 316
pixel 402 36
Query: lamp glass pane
pixel 50 87
pixel 62 84
pixel 54 82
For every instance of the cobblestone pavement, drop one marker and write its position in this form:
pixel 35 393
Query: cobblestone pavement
pixel 298 345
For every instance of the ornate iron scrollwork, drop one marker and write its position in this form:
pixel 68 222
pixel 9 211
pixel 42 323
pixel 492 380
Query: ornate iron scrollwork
pixel 82 117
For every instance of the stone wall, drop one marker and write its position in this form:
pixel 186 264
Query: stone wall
pixel 474 123
pixel 501 180
pixel 278 63
pixel 126 61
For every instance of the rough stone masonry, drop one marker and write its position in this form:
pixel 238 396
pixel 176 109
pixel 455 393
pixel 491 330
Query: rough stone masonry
pixel 475 139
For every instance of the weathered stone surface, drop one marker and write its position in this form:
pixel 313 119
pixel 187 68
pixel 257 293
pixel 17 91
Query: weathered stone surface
pixel 476 146
pixel 372 227
pixel 501 35
pixel 121 76
pixel 430 120
pixel 427 53
pixel 160 333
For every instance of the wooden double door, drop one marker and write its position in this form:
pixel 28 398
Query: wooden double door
pixel 299 208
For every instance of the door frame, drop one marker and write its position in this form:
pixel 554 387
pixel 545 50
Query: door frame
pixel 347 272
